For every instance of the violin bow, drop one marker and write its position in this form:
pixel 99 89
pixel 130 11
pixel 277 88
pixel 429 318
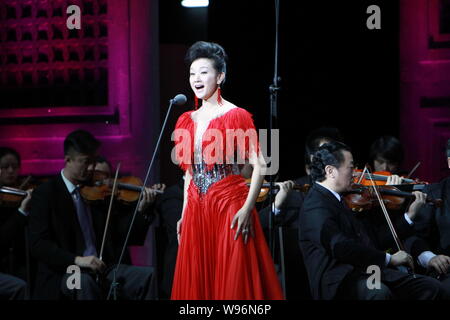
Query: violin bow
pixel 362 174
pixel 109 211
pixel 397 240
pixel 386 215
pixel 412 170
pixel 24 183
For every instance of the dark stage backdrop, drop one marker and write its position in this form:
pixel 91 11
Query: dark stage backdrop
pixel 114 76
pixel 334 70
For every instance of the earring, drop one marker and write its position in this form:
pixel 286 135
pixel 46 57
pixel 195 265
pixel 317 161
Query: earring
pixel 219 96
pixel 195 102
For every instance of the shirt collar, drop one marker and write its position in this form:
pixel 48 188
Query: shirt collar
pixel 338 197
pixel 69 185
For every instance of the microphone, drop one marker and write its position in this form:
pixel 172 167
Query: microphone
pixel 179 100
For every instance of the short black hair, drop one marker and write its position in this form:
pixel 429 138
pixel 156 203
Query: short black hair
pixel 102 159
pixel 329 153
pixel 6 150
pixel 81 141
pixel 314 137
pixel 387 147
pixel 209 50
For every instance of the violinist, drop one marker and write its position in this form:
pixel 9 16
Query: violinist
pixel 65 230
pixel 433 225
pixel 287 206
pixel 338 248
pixel 11 287
pixel 13 218
pixel 102 169
pixel 10 163
pixel 386 155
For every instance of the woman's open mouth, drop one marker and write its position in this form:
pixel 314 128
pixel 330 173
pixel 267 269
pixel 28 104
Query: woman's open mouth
pixel 198 87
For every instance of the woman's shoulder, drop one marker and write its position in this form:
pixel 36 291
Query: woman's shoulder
pixel 240 117
pixel 234 108
pixel 186 114
pixel 184 119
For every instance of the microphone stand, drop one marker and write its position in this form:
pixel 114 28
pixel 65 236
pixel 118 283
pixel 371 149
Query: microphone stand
pixel 114 283
pixel 274 88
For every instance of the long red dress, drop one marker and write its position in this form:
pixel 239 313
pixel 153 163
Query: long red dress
pixel 211 265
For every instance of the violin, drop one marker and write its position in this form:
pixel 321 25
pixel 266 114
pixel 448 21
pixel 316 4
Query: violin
pixel 384 196
pixel 128 189
pixel 11 197
pixel 265 186
pixel 379 178
pixel 30 182
pixel 362 197
pixel 263 193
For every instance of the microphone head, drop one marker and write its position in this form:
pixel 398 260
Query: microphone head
pixel 179 99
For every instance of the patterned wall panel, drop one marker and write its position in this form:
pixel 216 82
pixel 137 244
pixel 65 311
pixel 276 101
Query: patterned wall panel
pixel 43 63
pixel 102 78
pixel 425 84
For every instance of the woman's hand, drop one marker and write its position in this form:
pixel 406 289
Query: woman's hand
pixel 244 222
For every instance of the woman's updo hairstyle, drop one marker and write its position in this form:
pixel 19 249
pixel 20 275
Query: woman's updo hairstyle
pixel 209 50
pixel 328 154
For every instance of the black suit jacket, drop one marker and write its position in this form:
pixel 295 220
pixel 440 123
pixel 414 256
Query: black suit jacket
pixel 334 243
pixel 290 209
pixel 56 237
pixel 297 286
pixel 432 223
pixel 12 237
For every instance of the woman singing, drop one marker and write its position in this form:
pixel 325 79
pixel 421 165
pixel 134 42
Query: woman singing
pixel 222 252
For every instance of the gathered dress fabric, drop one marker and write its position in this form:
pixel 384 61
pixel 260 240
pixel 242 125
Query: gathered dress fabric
pixel 211 265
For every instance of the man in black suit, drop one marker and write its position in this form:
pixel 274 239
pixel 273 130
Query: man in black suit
pixel 338 249
pixel 287 206
pixel 13 221
pixel 433 225
pixel 66 231
pixel 12 224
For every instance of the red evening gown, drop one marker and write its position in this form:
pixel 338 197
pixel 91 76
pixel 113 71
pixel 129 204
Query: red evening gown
pixel 211 265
